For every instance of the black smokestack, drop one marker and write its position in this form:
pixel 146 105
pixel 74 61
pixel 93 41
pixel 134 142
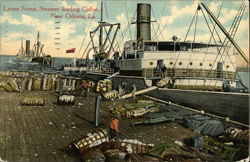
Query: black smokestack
pixel 27 46
pixel 143 21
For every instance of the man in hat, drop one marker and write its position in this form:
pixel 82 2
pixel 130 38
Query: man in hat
pixel 114 127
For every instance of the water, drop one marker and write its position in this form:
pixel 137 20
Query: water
pixel 8 63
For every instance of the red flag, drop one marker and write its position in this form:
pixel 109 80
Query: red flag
pixel 72 50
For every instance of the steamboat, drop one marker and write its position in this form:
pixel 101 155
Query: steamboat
pixel 199 75
pixel 35 55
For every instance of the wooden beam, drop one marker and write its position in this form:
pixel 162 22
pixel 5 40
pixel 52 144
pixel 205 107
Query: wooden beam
pixel 140 92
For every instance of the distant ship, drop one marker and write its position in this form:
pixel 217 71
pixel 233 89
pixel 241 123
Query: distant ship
pixel 34 56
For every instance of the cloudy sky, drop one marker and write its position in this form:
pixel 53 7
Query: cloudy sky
pixel 172 18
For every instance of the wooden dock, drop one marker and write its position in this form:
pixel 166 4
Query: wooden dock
pixel 42 133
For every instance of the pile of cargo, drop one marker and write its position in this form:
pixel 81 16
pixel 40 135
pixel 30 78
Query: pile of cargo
pixel 135 109
pixel 225 151
pixel 171 151
pixel 96 146
pixel 26 81
pixel 33 101
pixel 238 134
pixel 110 95
pixel 66 100
pixel 131 146
pixel 104 86
pixel 92 139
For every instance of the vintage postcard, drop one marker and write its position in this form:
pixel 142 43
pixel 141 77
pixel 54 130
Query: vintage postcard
pixel 124 80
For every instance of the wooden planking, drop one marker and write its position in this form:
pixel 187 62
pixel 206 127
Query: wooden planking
pixel 34 139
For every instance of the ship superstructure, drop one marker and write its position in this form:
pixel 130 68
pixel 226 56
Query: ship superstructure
pixel 197 75
pixel 185 63
pixel 189 65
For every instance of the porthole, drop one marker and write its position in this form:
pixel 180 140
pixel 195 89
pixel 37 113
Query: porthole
pixel 200 64
pixel 227 66
pixel 171 63
pixel 190 63
pixel 151 63
pixel 180 63
pixel 210 64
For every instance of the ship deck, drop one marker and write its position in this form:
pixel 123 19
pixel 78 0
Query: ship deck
pixel 42 133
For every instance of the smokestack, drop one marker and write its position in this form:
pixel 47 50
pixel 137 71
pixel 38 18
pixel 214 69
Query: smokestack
pixel 143 21
pixel 27 46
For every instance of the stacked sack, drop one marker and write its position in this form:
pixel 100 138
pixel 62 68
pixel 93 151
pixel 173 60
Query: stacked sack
pixel 95 138
pixel 33 101
pixel 104 86
pixel 110 95
pixel 132 146
pixel 66 100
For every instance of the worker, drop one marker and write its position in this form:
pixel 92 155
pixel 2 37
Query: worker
pixel 86 88
pixel 120 91
pixel 163 71
pixel 114 127
pixel 133 92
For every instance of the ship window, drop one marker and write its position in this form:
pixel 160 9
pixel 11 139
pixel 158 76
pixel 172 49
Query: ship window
pixel 166 46
pixel 200 64
pixel 171 63
pixel 227 66
pixel 151 63
pixel 183 48
pixel 210 64
pixel 190 63
pixel 150 46
pixel 180 63
pixel 130 55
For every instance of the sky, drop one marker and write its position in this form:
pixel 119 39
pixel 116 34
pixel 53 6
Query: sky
pixel 23 19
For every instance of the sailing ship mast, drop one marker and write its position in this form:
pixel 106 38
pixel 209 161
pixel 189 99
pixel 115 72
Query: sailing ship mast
pixel 37 44
pixel 101 29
